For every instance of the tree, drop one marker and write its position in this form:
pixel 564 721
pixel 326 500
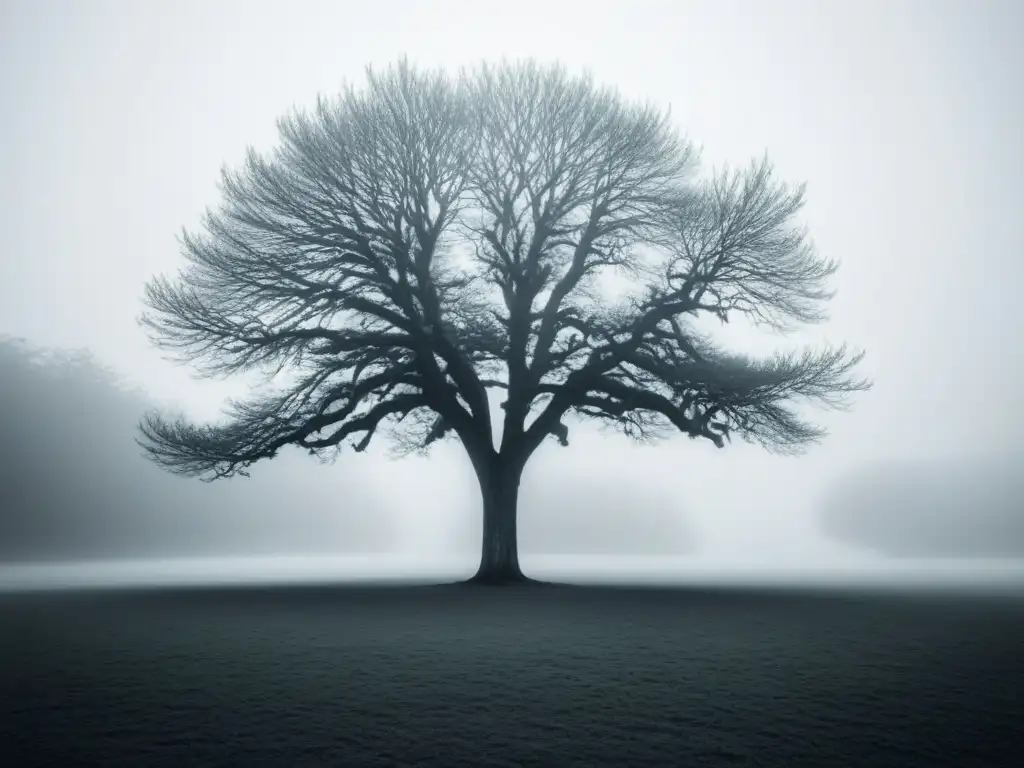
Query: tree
pixel 415 245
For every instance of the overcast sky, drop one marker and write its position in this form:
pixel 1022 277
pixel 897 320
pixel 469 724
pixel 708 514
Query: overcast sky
pixel 904 118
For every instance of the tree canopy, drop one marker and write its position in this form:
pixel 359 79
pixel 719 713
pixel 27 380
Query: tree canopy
pixel 419 241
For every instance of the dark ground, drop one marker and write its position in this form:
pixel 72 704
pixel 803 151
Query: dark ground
pixel 555 676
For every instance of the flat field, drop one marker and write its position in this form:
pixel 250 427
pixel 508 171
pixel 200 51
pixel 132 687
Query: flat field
pixel 528 676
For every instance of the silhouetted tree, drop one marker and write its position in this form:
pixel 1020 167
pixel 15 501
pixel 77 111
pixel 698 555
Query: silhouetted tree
pixel 416 243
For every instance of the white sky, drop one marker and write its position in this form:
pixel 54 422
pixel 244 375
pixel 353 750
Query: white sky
pixel 904 118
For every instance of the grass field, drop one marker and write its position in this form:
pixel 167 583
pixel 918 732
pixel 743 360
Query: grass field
pixel 546 676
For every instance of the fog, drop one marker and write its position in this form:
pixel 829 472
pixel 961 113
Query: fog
pixel 947 508
pixel 74 486
pixel 903 118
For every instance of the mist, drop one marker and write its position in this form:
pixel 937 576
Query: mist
pixel 75 485
pixel 970 508
pixel 903 119
pixel 672 603
pixel 77 491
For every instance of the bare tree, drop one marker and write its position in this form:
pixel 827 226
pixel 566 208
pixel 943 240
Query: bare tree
pixel 418 243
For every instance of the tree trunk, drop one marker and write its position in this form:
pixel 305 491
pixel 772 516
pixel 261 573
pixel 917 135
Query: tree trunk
pixel 499 556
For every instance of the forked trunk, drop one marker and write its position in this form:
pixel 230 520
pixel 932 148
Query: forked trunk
pixel 499 557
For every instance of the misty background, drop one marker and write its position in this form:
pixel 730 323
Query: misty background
pixel 904 118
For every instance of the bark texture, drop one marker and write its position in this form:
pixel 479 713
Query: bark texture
pixel 499 556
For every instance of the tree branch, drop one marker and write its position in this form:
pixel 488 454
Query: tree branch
pixel 414 243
